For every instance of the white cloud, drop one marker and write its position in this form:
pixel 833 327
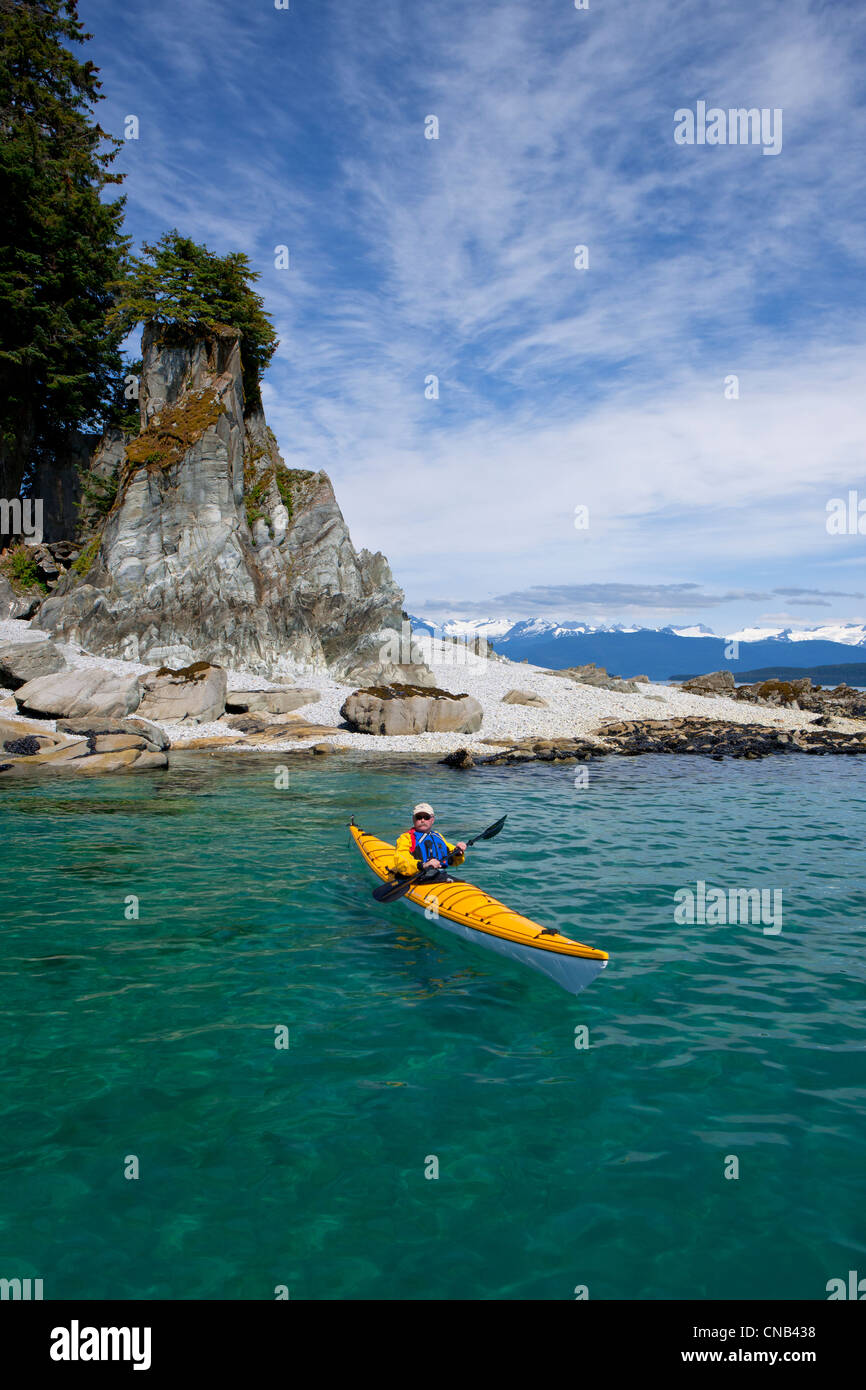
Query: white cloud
pixel 453 257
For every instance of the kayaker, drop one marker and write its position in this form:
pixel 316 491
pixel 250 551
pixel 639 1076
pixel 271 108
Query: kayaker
pixel 423 847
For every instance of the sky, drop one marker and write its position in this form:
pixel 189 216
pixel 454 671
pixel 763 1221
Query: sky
pixel 649 431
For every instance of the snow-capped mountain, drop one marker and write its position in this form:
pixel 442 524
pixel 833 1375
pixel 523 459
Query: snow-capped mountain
pixel 525 627
pixel 851 634
pixel 695 630
pixel 660 653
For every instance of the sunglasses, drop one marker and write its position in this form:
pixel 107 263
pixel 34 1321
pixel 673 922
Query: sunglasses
pixel 423 816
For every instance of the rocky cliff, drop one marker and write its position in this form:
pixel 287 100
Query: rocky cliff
pixel 212 548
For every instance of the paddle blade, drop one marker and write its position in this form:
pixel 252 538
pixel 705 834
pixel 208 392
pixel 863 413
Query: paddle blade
pixel 492 830
pixel 390 892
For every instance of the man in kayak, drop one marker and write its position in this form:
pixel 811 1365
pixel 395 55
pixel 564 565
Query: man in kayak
pixel 422 847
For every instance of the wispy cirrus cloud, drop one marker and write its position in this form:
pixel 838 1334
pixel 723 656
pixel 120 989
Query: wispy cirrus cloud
pixel 454 257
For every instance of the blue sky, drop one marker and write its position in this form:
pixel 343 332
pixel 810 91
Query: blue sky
pixel 558 387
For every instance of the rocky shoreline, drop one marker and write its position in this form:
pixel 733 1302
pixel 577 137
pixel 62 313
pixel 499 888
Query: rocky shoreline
pixel 63 709
pixel 710 738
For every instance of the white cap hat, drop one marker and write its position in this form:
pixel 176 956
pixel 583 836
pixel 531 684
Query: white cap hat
pixel 423 806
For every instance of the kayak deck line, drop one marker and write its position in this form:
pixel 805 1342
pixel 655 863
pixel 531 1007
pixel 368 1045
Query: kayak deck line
pixel 469 907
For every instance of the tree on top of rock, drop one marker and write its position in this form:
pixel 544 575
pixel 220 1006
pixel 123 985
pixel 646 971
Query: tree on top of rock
pixel 184 286
pixel 60 245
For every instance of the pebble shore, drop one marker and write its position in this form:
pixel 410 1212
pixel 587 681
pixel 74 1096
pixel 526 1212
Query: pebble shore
pixel 573 709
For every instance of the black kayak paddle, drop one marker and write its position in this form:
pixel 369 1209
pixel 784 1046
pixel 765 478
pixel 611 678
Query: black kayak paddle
pixel 390 892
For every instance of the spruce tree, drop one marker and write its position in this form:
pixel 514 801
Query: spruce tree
pixel 186 289
pixel 61 244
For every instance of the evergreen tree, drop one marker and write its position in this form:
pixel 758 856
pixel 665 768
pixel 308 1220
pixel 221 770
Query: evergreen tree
pixel 61 245
pixel 187 288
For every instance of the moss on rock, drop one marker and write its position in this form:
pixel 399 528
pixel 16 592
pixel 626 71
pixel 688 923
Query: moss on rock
pixel 287 481
pixel 175 431
pixel 83 562
pixel 196 672
pixel 783 691
pixel 22 571
pixel 404 692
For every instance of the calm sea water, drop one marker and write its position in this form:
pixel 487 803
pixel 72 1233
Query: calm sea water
pixel 558 1166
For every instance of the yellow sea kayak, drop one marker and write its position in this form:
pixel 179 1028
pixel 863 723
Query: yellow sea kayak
pixel 462 908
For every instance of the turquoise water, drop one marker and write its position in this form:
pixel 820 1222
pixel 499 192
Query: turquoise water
pixel 305 1166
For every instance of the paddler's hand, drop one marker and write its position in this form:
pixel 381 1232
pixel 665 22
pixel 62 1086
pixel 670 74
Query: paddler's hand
pixel 460 847
pixel 432 864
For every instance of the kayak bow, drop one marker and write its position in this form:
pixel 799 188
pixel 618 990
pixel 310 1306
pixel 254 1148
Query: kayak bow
pixel 462 908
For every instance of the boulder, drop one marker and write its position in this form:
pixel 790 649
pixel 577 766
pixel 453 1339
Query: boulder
pixel 461 758
pixel 73 693
pixel 18 605
pixel 194 694
pixel 524 697
pixel 409 709
pixel 115 743
pixel 590 674
pixel 211 741
pixel 106 753
pixel 26 746
pixel 62 753
pixel 279 733
pixel 246 723
pixel 270 701
pixel 98 763
pixel 715 683
pixel 21 662
pixel 11 730
pixel 149 759
pixel 379 673
pixel 151 733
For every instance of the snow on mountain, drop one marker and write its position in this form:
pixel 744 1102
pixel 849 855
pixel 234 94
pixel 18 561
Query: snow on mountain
pixel 464 627
pixel 755 634
pixel 696 630
pixel 852 634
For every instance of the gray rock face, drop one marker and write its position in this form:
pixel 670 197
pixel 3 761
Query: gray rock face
pixel 70 694
pixel 15 605
pixel 98 725
pixel 215 550
pixel 194 694
pixel 89 757
pixel 524 697
pixel 716 683
pixel 590 674
pixel 21 662
pixel 270 701
pixel 406 709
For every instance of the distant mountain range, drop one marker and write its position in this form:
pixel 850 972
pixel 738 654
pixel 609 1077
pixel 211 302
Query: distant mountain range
pixel 666 653
pixel 850 672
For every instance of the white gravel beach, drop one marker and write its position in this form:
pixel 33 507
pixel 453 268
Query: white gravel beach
pixel 573 709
